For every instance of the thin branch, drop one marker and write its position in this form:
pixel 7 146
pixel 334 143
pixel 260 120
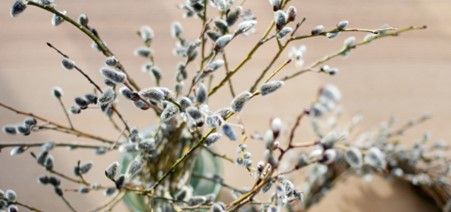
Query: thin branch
pixel 87 31
pixel 268 67
pixel 215 154
pixel 335 30
pixel 68 204
pixel 72 145
pixel 244 61
pixel 220 181
pixel 65 112
pixel 278 70
pixel 227 69
pixel 58 127
pixel 203 39
pixel 295 126
pixel 118 195
pixel 390 33
pixel 31 208
pixel 97 87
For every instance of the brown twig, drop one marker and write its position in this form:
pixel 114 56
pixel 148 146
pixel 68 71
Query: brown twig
pixel 65 112
pixel 31 208
pixel 72 145
pixel 389 33
pixel 58 127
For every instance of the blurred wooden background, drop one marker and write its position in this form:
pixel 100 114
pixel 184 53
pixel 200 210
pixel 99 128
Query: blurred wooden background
pixel 403 76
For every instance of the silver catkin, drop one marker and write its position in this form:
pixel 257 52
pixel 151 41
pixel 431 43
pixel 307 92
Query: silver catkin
pixel 18 7
pixel 229 132
pixel 83 19
pixel 112 171
pixel 169 112
pixel 201 93
pixel 113 75
pixel 135 167
pixel 57 20
pixel 280 19
pixel 152 94
pixel 11 130
pixel 147 34
pixel 68 64
pixel 318 30
pixel 342 24
pixel 222 41
pixel 176 30
pixel 111 61
pixel 245 26
pixel 239 101
pixel 212 138
pixel 292 12
pixel 57 92
pixel 270 87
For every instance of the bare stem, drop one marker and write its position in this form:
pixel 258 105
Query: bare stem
pixel 31 208
pixel 63 107
pixel 227 69
pixel 68 204
pixel 220 181
pixel 295 126
pixel 203 39
pixel 223 156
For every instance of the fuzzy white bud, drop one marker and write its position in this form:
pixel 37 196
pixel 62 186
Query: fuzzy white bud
pixel 270 87
pixel 239 101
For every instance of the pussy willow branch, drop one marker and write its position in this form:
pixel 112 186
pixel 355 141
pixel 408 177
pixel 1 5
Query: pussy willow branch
pixel 243 62
pixel 63 176
pixel 58 127
pixel 68 204
pixel 390 33
pixel 248 56
pixel 247 197
pixel 282 47
pixel 276 56
pixel 100 44
pixel 72 145
pixel 96 86
pixel 301 37
pixel 200 143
